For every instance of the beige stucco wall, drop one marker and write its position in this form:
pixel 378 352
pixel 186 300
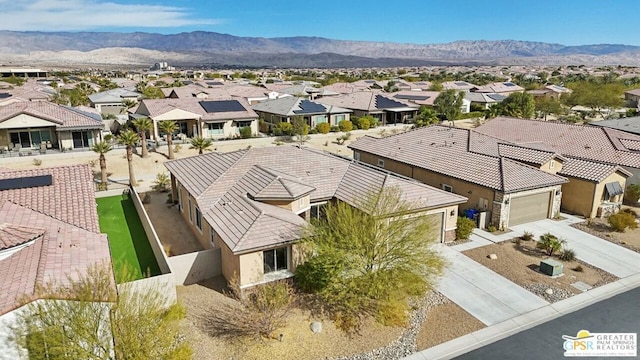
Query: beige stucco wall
pixel 229 130
pixel 471 191
pixel 230 263
pixel 251 268
pixel 390 165
pixel 578 197
pixel 552 166
pixel 204 235
pixel 616 176
pixel 295 206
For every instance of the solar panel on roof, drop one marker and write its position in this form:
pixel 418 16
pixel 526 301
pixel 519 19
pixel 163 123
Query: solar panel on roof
pixel 412 97
pixel 509 84
pixel 4 95
pixel 386 103
pixel 370 81
pixel 214 83
pixel 217 106
pixel 461 83
pixel 496 97
pixel 309 107
pixel 25 182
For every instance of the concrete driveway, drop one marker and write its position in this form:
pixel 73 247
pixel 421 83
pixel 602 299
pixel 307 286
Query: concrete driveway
pixel 486 295
pixel 600 253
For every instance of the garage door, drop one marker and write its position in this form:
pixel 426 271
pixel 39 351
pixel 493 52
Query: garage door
pixel 435 223
pixel 529 208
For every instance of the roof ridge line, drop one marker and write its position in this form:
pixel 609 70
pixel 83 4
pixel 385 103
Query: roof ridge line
pixel 204 191
pixel 53 217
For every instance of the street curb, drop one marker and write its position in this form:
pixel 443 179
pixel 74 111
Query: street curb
pixel 493 333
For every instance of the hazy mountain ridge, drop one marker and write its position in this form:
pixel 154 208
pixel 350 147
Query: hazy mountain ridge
pixel 304 51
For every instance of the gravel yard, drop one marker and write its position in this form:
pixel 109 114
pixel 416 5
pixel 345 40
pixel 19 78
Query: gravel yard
pixel 600 227
pixel 519 263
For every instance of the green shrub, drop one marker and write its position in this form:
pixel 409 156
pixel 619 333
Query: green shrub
pixel 284 128
pixel 632 194
pixel 334 128
pixel 567 255
pixel 245 132
pixel 492 228
pixel 313 131
pixel 323 128
pixel 341 139
pixel 373 122
pixel 631 211
pixel 162 183
pixel 550 243
pixel 345 125
pixel 621 221
pixel 364 123
pixel 471 115
pixel 527 236
pixel 464 228
pixel 108 138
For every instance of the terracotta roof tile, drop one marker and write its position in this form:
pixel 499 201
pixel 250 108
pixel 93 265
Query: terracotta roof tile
pixel 63 117
pixel 13 235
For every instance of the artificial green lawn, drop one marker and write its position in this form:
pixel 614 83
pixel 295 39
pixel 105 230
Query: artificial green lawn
pixel 128 242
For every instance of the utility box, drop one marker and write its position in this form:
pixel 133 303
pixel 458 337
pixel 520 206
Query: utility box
pixel 551 267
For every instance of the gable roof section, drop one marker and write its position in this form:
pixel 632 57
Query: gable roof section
pixel 113 96
pixel 279 186
pixel 579 141
pixel 60 116
pixel 589 170
pixel 366 101
pixel 13 235
pixel 630 124
pixel 291 106
pixel 445 150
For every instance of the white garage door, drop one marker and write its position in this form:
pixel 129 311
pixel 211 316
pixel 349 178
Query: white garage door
pixel 529 208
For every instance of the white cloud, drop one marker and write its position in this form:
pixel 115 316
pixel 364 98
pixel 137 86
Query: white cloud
pixel 73 15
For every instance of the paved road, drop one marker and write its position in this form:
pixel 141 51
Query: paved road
pixel 603 254
pixel 486 295
pixel 620 313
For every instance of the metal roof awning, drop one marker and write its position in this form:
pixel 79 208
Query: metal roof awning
pixel 614 188
pixel 402 109
pixel 215 120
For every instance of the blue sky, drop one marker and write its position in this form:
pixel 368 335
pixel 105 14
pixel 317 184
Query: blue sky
pixel 569 22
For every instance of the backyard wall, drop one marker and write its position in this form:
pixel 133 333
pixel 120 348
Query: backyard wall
pixel 163 284
pixel 193 267
pixel 156 246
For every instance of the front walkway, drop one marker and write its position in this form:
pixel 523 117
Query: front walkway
pixel 593 250
pixel 486 295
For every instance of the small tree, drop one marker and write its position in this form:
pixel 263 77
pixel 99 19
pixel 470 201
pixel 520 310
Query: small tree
pixel 142 126
pixel 449 104
pixel 130 139
pixel 300 129
pixel 162 183
pixel 102 148
pixel 245 132
pixel 369 260
pixel 169 127
pixel 426 116
pixel 520 105
pixel 550 243
pixel 632 194
pixel 201 144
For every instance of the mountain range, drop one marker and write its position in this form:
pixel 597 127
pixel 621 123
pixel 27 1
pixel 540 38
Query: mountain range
pixel 215 49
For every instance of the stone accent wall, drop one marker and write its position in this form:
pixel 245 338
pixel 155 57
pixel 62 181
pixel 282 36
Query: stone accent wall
pixel 557 199
pixel 500 210
pixel 449 235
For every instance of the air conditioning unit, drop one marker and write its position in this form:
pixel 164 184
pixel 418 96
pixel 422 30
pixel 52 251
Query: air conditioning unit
pixel 551 267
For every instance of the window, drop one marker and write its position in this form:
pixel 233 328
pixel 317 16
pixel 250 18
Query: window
pixel 215 128
pixel 381 163
pixel 319 119
pixel 317 211
pixel 213 236
pixel 276 260
pixel 180 206
pixel 81 139
pixel 189 210
pixel 356 156
pixel 198 219
pixel 241 124
pixel 447 188
pixel 340 118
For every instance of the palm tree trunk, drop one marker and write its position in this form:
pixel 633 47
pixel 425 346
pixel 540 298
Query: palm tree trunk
pixel 132 178
pixel 103 171
pixel 143 136
pixel 169 144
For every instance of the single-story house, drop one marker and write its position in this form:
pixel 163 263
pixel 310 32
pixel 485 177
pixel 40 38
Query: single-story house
pixel 212 119
pixel 110 102
pixel 286 108
pixel 485 100
pixel 550 91
pixel 48 232
pixel 252 204
pixel 384 107
pixel 632 98
pixel 506 192
pixel 458 85
pixel 43 125
pixel 504 88
pixel 597 144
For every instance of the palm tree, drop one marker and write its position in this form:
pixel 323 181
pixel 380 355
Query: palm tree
pixel 143 125
pixel 201 144
pixel 130 139
pixel 169 127
pixel 102 148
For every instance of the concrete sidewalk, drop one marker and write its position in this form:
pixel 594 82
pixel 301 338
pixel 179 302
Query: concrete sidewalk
pixel 593 250
pixel 486 295
pixel 526 321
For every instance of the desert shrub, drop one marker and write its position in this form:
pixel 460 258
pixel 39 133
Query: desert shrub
pixel 632 194
pixel 245 132
pixel 313 131
pixel 323 128
pixel 283 128
pixel 567 255
pixel 345 125
pixel 550 243
pixel 392 313
pixel 578 268
pixel 334 128
pixel 341 139
pixel 621 221
pixel 492 228
pixel 264 126
pixel 527 236
pixel 162 183
pixel 630 211
pixel 517 241
pixel 363 123
pixel 373 122
pixel 108 138
pixel 464 227
pixel 37 162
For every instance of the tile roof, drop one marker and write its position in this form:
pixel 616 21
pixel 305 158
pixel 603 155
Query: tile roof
pixel 13 235
pixel 224 187
pixel 292 106
pixel 156 107
pixel 579 141
pixel 630 124
pixel 59 255
pixel 113 96
pixel 447 151
pixel 61 199
pixel 499 87
pixel 366 101
pixel 589 170
pixel 62 117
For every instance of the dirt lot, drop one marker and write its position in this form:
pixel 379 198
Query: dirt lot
pixel 519 263
pixel 600 228
pixel 298 342
pixel 446 322
pixel 173 231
